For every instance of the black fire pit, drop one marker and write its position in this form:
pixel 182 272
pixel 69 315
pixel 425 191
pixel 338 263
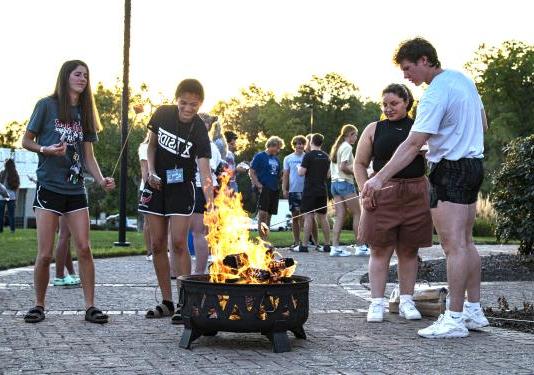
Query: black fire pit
pixel 271 309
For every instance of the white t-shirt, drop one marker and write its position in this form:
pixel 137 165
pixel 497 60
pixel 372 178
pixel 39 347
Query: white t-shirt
pixel 344 153
pixel 214 163
pixel 450 110
pixel 142 151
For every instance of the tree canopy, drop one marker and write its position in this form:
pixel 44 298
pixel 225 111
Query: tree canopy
pixel 504 76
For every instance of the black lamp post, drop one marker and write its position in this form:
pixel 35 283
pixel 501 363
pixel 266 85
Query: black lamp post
pixel 124 125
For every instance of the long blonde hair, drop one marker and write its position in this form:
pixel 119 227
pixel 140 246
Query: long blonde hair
pixel 345 131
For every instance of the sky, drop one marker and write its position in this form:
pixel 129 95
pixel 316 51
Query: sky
pixel 228 45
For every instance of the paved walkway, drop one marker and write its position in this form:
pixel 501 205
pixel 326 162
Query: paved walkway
pixel 340 341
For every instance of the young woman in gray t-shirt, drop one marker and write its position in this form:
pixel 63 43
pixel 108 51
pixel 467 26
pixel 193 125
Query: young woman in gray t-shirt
pixel 62 130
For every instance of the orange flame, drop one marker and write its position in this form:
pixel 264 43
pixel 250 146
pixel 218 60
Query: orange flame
pixel 228 234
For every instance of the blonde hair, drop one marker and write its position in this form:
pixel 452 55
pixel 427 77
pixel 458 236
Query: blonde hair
pixel 345 131
pixel 275 141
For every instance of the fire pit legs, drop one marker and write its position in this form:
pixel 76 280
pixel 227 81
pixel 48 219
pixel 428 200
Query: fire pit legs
pixel 280 342
pixel 299 333
pixel 188 337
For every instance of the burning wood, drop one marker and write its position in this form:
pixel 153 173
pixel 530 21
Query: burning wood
pixel 239 266
pixel 237 258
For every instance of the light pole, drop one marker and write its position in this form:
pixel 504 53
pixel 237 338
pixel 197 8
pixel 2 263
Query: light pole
pixel 124 124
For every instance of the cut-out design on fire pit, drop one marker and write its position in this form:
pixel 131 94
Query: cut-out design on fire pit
pixel 271 309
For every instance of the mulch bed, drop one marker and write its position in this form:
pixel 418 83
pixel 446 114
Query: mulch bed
pixel 516 319
pixel 500 267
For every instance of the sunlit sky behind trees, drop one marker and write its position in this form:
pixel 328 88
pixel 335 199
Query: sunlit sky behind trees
pixel 227 45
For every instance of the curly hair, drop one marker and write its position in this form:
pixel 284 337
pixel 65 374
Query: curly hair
pixel 413 49
pixel 402 91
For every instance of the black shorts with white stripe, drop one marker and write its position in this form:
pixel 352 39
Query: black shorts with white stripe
pixel 58 203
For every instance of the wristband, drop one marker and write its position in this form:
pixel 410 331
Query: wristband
pixel 41 150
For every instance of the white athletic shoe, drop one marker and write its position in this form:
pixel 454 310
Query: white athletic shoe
pixel 362 251
pixel 474 318
pixel 375 314
pixel 409 311
pixel 336 251
pixel 445 327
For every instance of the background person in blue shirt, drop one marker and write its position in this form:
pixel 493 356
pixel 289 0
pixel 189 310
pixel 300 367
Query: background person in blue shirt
pixel 265 173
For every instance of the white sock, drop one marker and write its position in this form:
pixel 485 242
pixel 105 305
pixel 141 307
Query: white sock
pixel 455 314
pixel 406 298
pixel 472 305
pixel 377 301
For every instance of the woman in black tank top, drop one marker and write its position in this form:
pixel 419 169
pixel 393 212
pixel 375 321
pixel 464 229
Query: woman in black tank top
pixel 397 218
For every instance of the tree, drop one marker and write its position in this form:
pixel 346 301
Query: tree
pixel 513 194
pixel 504 77
pixel 12 134
pixel 335 101
pixel 107 149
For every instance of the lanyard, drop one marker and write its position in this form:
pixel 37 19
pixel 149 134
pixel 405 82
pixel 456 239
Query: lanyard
pixel 188 136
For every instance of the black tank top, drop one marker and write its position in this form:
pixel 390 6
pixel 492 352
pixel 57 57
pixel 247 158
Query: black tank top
pixel 388 136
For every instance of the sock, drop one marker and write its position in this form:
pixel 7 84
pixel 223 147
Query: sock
pixel 455 314
pixel 377 301
pixel 472 305
pixel 405 298
pixel 169 304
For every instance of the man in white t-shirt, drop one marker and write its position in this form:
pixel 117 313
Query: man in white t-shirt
pixel 451 118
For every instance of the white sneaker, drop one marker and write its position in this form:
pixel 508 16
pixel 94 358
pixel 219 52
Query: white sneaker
pixel 474 318
pixel 362 251
pixel 409 311
pixel 375 314
pixel 445 327
pixel 336 251
pixel 149 258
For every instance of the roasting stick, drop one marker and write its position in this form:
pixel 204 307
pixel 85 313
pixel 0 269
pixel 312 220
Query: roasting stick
pixel 123 146
pixel 266 228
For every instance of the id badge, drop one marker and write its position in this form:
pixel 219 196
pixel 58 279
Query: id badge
pixel 175 176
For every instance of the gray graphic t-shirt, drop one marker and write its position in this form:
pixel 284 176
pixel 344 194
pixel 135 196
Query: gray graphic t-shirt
pixel 53 171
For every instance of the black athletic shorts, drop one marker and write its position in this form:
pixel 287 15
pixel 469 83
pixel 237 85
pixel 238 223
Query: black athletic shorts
pixel 268 201
pixel 313 202
pixel 171 200
pixel 58 203
pixel 200 201
pixel 455 181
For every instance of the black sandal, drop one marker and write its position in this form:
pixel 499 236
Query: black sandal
pixel 94 315
pixel 160 311
pixel 35 315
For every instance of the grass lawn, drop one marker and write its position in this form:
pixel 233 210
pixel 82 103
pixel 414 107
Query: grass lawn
pixel 19 249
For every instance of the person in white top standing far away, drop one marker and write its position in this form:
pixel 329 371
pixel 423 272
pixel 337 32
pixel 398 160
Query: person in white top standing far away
pixel 451 118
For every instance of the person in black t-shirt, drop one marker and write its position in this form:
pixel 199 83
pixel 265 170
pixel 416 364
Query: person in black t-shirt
pixel 315 167
pixel 178 141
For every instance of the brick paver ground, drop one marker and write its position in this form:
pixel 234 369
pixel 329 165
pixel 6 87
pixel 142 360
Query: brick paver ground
pixel 340 341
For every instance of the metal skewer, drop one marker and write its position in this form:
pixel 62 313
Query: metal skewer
pixel 267 228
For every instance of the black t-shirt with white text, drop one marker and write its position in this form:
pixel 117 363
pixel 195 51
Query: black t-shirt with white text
pixel 317 164
pixel 179 144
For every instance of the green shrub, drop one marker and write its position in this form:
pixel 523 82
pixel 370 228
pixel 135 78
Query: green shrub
pixel 484 227
pixel 513 194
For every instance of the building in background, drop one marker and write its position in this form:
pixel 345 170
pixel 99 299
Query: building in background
pixel 26 163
